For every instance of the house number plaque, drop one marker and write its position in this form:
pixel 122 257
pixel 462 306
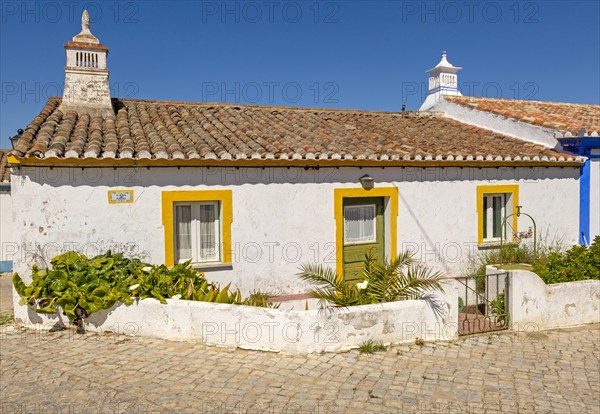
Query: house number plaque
pixel 120 197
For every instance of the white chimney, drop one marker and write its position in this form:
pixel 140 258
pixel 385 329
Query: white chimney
pixel 86 76
pixel 443 80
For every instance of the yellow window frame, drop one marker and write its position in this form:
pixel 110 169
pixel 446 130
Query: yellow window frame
pixel 339 194
pixel 512 189
pixel 225 200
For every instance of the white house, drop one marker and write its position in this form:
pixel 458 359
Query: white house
pixel 249 193
pixel 562 126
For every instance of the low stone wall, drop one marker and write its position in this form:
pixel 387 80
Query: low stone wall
pixel 293 331
pixel 533 305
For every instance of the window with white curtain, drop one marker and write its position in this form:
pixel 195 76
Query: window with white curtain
pixel 494 211
pixel 359 224
pixel 197 232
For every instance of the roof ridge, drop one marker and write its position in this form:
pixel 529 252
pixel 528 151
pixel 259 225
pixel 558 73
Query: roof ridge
pixel 267 107
pixel 519 100
pixel 272 107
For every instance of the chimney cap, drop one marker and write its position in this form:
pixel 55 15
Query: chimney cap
pixel 86 36
pixel 86 87
pixel 444 66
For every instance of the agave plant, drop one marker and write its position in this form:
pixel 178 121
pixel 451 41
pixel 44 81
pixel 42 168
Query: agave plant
pixel 399 279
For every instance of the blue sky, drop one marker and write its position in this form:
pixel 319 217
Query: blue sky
pixel 341 54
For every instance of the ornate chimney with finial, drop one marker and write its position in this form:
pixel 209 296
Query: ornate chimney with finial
pixel 443 80
pixel 86 76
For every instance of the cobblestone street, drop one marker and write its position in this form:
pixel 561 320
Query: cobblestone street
pixel 549 372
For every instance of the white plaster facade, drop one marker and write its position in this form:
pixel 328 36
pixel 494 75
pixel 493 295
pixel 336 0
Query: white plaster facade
pixel 282 217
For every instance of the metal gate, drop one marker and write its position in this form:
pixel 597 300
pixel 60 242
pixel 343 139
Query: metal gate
pixel 483 303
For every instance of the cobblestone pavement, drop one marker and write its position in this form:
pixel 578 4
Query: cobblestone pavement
pixel 549 372
pixel 6 306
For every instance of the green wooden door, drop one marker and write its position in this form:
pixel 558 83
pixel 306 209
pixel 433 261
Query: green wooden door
pixel 363 233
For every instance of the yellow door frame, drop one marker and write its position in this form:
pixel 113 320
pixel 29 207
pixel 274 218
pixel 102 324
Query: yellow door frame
pixel 391 193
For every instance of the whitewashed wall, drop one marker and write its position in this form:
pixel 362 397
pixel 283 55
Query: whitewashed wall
pixel 281 217
pixel 6 237
pixel 533 305
pixel 297 332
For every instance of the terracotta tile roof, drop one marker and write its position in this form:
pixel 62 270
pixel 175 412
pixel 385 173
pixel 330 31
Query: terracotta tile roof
pixel 4 167
pixel 175 130
pixel 562 117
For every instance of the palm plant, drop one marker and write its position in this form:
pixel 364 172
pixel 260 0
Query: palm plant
pixel 399 279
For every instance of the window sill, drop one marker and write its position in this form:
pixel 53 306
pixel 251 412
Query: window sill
pixel 496 244
pixel 212 266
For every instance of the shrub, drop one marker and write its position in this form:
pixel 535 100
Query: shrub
pixel 82 286
pixel 513 254
pixel 577 263
pixel 399 279
pixel 505 254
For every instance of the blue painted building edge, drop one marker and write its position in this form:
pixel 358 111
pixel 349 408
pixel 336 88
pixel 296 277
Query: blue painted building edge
pixel 583 146
pixel 584 204
pixel 6 266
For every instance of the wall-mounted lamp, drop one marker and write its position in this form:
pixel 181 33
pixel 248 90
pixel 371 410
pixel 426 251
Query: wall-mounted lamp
pixel 14 139
pixel 366 181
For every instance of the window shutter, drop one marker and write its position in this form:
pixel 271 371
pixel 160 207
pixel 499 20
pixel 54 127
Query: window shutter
pixel 497 215
pixel 485 217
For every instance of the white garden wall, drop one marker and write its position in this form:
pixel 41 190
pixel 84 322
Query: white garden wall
pixel 292 331
pixel 533 305
pixel 281 217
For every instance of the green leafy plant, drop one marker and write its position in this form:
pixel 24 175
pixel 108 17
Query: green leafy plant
pixel 577 263
pixel 461 305
pixel 370 347
pixel 261 300
pixel 399 279
pixel 181 282
pixel 498 308
pixel 80 286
